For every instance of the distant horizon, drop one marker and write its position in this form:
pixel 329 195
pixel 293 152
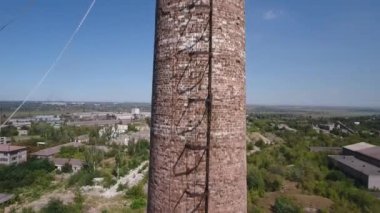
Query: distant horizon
pixel 149 103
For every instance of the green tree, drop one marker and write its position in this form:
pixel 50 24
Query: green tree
pixel 93 157
pixel 120 159
pixel 8 131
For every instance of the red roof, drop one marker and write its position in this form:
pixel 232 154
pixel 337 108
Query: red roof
pixel 9 148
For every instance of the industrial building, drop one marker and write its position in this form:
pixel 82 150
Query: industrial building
pixel 360 161
pixel 364 151
pixel 12 154
pixel 364 172
pixel 353 148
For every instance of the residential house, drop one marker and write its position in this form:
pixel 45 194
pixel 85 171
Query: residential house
pixel 75 164
pixel 12 154
pixel 22 132
pixel 5 140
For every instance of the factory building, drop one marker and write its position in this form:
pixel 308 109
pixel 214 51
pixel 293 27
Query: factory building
pixel 364 151
pixel 360 161
pixel 364 172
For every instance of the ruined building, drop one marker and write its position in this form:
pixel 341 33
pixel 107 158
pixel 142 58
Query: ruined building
pixel 198 155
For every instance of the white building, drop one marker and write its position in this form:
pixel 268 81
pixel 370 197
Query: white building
pixel 12 154
pixel 22 132
pixel 47 118
pixel 135 111
pixel 21 122
pixel 114 131
pixel 82 139
pixel 5 140
pixel 121 128
pixel 124 116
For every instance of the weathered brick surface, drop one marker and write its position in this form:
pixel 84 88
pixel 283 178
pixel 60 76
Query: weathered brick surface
pixel 179 113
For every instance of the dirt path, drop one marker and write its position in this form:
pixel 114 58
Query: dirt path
pixel 131 179
pixel 66 196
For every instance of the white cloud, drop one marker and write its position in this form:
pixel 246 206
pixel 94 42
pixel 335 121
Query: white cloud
pixel 271 14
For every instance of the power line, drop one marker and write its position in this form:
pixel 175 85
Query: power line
pixel 59 57
pixel 24 11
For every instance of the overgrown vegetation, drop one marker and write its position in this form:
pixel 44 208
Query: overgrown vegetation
pixel 126 158
pixel 33 177
pixel 72 152
pixel 292 161
pixel 64 134
pixel 286 205
pixel 8 131
pixel 137 196
pixel 57 206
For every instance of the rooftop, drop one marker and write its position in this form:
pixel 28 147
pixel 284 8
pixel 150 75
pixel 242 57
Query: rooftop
pixel 358 165
pixel 359 146
pixel 5 197
pixel 63 161
pixel 9 148
pixel 373 152
pixel 52 150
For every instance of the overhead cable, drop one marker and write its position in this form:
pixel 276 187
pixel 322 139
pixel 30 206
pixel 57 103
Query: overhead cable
pixel 59 57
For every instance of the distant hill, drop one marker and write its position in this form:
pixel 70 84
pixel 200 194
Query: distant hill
pixel 315 111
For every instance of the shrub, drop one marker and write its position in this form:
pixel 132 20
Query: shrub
pixel 135 192
pixel 255 180
pixel 120 187
pixel 34 173
pixel 286 205
pixel 55 206
pixel 83 178
pixel 67 168
pixel 250 146
pixel 138 203
pixel 335 176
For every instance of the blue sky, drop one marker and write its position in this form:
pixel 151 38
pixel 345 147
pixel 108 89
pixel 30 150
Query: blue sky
pixel 299 52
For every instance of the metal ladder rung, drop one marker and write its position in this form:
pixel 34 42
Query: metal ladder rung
pixel 195 194
pixel 192 100
pixel 198 53
pixel 195 147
